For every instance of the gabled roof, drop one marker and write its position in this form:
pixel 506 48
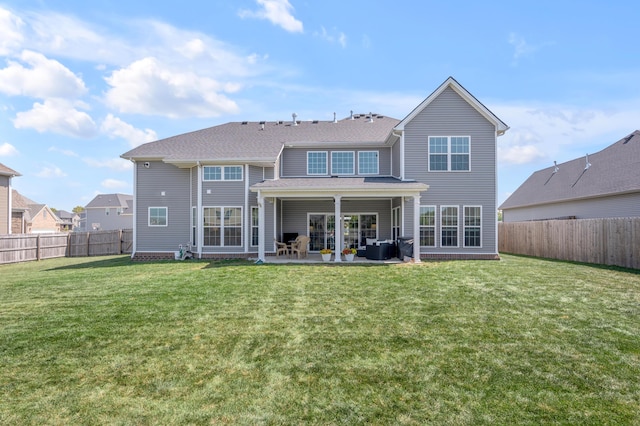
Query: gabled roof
pixel 6 171
pixel 110 200
pixel 261 142
pixel 20 203
pixel 614 170
pixel 501 127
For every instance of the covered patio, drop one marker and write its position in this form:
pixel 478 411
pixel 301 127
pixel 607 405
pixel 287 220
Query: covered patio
pixel 336 190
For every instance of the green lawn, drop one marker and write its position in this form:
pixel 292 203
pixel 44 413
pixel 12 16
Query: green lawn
pixel 519 341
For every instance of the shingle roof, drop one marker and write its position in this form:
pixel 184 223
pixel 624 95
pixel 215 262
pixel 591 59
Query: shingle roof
pixel 110 200
pixel 341 182
pixel 6 171
pixel 615 169
pixel 249 141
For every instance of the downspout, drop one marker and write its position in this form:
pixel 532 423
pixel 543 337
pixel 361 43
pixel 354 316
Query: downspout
pixel 247 211
pixel 134 246
pixel 261 229
pixel 199 224
pixel 401 136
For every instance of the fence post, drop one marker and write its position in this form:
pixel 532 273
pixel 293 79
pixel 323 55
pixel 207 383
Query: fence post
pixel 38 247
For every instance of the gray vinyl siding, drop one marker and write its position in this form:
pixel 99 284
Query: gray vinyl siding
pixel 111 221
pixel 4 205
pixel 624 205
pixel 395 159
pixel 294 213
pixel 450 115
pixel 175 183
pixel 294 160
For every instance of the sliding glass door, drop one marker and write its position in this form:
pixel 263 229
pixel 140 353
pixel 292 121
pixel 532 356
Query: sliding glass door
pixel 356 228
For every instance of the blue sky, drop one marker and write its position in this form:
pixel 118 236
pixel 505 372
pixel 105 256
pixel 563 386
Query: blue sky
pixel 83 82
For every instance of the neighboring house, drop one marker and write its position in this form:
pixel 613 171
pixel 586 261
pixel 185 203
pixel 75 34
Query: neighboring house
pixel 69 221
pixel 600 185
pixel 6 204
pixel 30 217
pixel 109 212
pixel 230 190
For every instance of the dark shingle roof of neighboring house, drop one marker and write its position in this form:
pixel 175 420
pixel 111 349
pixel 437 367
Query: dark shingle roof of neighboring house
pixel 614 170
pixel 110 200
pixel 262 141
pixel 6 171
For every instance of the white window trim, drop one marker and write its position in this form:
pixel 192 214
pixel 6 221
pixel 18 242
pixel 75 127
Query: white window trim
pixel 448 154
pixel 435 226
pixel 222 178
pixel 251 227
pixel 222 225
pixel 464 226
pixel 326 163
pixel 377 172
pixel 457 226
pixel 353 163
pixel 166 209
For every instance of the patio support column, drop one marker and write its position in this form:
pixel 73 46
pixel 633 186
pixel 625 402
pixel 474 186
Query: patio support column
pixel 338 228
pixel 416 228
pixel 261 226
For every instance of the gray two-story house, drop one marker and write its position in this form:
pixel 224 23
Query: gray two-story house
pixel 232 190
pixel 108 212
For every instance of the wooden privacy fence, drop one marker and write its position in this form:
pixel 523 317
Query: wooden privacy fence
pixel 26 247
pixel 611 241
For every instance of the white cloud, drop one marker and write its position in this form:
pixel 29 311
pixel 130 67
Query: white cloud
pixel 548 132
pixel 115 164
pixel 334 37
pixel 56 116
pixel 10 32
pixel 278 12
pixel 146 87
pixel 113 184
pixel 8 150
pixel 51 172
pixel 43 78
pixel 66 152
pixel 521 48
pixel 115 127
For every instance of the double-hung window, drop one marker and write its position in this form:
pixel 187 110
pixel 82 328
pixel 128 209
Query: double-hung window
pixel 342 163
pixel 472 226
pixel 219 173
pixel 368 162
pixel 222 226
pixel 449 153
pixel 158 216
pixel 317 163
pixel 449 226
pixel 427 226
pixel 254 226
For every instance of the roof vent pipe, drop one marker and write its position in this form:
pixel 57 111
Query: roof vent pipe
pixel 588 164
pixel 555 167
pixel 294 115
pixel 351 118
pixel 370 118
pixel 335 120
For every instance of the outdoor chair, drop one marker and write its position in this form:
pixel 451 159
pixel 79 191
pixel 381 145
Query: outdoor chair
pixel 281 248
pixel 300 246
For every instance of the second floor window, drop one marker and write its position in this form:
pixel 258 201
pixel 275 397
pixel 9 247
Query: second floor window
pixel 316 163
pixel 368 162
pixel 449 153
pixel 222 173
pixel 342 163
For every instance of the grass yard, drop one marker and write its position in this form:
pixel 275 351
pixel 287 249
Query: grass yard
pixel 519 341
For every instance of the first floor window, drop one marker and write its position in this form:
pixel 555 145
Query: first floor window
pixel 254 226
pixel 449 226
pixel 427 226
pixel 194 229
pixel 158 216
pixel 472 226
pixel 222 226
pixel 395 223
